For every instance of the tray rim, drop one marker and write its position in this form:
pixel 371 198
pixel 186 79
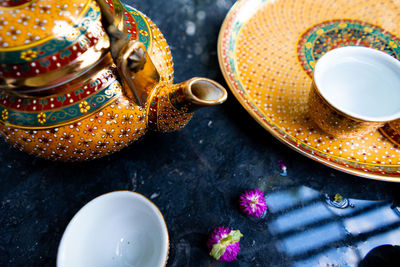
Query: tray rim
pixel 326 162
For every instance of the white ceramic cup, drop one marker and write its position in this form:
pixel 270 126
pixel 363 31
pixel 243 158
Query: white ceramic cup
pixel 121 228
pixel 355 90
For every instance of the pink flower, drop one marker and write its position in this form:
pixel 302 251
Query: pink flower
pixel 223 244
pixel 252 203
pixel 283 168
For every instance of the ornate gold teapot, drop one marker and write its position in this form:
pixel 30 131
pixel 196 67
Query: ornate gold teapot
pixel 80 79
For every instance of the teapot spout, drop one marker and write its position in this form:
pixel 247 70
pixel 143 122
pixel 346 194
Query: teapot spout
pixel 200 92
pixel 172 106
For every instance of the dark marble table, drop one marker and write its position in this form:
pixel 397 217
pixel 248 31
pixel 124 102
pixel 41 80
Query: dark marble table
pixel 196 175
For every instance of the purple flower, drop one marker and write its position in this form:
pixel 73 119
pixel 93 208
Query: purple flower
pixel 252 203
pixel 223 243
pixel 283 168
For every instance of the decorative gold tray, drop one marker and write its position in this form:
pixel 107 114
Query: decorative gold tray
pixel 267 50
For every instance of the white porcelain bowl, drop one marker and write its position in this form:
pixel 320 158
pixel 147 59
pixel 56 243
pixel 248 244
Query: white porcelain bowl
pixel 121 228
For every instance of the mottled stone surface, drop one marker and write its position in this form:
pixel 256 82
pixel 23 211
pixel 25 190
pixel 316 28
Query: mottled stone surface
pixel 196 175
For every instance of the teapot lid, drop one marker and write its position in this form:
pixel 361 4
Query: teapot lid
pixel 41 39
pixel 45 43
pixel 28 23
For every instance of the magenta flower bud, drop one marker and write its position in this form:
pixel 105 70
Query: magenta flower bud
pixel 283 168
pixel 252 203
pixel 223 244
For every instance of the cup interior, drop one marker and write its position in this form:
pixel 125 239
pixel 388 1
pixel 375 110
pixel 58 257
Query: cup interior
pixel 117 229
pixel 361 82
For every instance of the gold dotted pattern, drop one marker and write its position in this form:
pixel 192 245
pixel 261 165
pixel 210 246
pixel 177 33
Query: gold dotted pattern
pixel 168 118
pixel 335 123
pixel 161 54
pixel 278 87
pixel 40 19
pixel 103 133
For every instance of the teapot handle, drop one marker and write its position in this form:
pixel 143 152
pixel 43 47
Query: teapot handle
pixel 138 74
pixel 136 69
pixel 113 23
